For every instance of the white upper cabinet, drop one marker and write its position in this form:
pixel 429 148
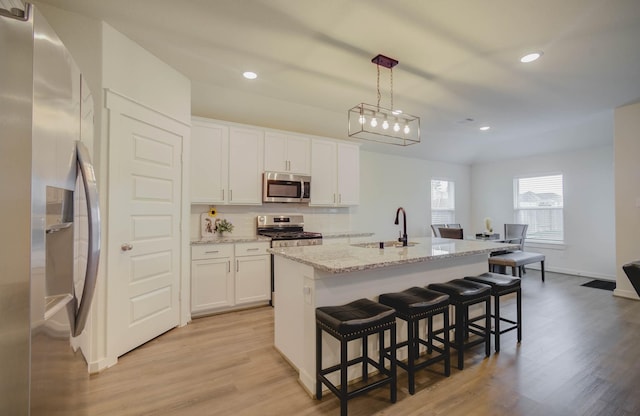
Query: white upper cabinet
pixel 246 149
pixel 209 162
pixel 348 174
pixel 287 153
pixel 335 174
pixel 226 164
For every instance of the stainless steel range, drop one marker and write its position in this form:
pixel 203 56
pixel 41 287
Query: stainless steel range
pixel 287 231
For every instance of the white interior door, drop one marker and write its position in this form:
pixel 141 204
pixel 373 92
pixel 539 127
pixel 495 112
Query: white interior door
pixel 144 231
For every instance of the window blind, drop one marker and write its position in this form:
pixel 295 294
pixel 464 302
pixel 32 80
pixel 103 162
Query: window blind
pixel 443 206
pixel 539 202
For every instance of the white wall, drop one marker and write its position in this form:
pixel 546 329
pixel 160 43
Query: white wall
pixel 589 248
pixel 388 182
pixel 627 194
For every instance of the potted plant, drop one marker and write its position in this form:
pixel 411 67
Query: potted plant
pixel 222 225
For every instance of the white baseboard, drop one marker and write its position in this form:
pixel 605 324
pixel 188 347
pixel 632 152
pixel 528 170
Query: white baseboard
pixel 102 364
pixel 574 272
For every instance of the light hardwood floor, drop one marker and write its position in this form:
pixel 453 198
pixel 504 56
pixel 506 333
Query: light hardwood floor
pixel 580 355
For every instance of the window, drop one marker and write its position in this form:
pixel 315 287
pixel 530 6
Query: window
pixel 538 201
pixel 443 206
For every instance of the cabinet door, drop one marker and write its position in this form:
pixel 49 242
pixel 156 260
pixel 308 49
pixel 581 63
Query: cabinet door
pixel 299 154
pixel 246 161
pixel 323 173
pixel 348 174
pixel 275 146
pixel 287 153
pixel 209 163
pixel 211 285
pixel 253 279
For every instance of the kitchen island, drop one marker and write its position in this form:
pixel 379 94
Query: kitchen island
pixel 312 276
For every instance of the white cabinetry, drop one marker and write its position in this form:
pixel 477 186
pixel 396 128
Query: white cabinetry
pixel 211 278
pixel 228 276
pixel 335 174
pixel 246 149
pixel 287 153
pixel 253 273
pixel 209 162
pixel 226 164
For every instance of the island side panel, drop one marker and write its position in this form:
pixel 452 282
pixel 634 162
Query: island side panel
pixel 289 299
pixel 328 289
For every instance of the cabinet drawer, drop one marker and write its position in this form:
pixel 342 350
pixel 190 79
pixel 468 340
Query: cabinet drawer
pixel 211 251
pixel 251 249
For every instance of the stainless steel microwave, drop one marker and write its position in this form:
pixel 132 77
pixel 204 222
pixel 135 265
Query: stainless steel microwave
pixel 285 187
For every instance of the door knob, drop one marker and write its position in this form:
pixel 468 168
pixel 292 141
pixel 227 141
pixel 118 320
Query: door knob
pixel 126 247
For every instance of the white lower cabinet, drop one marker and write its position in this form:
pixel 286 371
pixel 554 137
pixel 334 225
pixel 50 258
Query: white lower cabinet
pixel 229 276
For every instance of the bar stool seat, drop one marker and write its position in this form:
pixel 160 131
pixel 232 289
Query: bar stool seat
pixel 357 320
pixel 463 294
pixel 413 305
pixel 502 284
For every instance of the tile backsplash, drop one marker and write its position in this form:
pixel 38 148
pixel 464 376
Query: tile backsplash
pixel 317 219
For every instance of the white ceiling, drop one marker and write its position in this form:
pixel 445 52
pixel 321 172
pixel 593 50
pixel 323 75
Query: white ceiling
pixel 459 60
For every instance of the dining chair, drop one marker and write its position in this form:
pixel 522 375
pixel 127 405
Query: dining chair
pixel 436 229
pixel 515 233
pixel 454 226
pixel 455 233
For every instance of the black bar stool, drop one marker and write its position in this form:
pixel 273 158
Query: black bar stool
pixel 412 306
pixel 501 284
pixel 356 320
pixel 463 294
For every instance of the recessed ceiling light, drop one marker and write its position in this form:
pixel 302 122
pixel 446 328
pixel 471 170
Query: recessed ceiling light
pixel 250 75
pixel 530 57
pixel 485 128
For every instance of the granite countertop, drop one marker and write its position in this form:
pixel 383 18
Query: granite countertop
pixel 231 239
pixel 345 258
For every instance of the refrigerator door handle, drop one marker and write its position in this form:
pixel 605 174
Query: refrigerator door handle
pixel 85 169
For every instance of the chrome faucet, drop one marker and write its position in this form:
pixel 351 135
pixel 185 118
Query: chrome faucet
pixel 404 238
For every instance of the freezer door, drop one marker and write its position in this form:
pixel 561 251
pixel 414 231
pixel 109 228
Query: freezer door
pixel 16 62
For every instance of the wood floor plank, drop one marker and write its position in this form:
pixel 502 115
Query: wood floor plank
pixel 579 356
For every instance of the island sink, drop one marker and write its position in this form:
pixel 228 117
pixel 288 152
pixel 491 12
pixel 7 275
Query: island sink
pixel 386 244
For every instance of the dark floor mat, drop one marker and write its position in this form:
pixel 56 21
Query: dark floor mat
pixel 601 284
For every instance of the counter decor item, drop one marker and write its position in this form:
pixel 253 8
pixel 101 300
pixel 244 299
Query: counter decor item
pixel 222 225
pixel 488 229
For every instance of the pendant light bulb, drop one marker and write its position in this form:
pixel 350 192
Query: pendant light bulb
pixel 406 129
pixel 396 127
pixel 374 122
pixel 362 119
pixel 385 124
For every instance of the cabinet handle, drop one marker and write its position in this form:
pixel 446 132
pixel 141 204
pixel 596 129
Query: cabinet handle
pixel 237 266
pixel 253 249
pixel 339 198
pixel 228 266
pixel 230 195
pixel 222 190
pixel 212 252
pixel 334 198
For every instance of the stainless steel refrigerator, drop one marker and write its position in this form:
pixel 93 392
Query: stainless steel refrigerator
pixel 50 219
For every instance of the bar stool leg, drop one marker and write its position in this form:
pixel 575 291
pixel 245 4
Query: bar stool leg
pixel 411 354
pixel 318 362
pixel 459 335
pixel 519 313
pixel 394 365
pixel 430 334
pixel 496 319
pixel 343 377
pixel 365 356
pixel 487 327
pixel 447 350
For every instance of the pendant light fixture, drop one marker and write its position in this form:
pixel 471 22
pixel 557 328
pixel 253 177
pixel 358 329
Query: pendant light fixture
pixel 383 125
